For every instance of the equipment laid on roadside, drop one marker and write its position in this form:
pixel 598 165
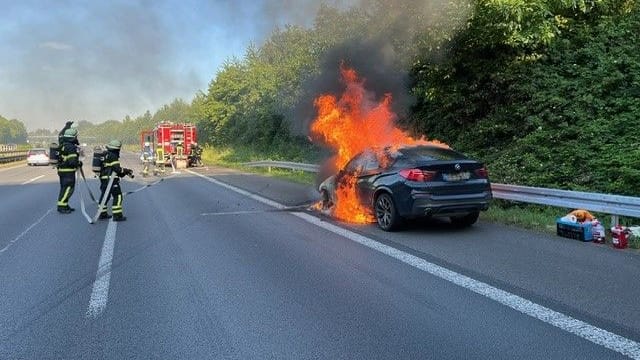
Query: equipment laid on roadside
pixel 599 235
pixel 634 236
pixel 620 236
pixel 581 225
pixel 54 153
pixel 565 227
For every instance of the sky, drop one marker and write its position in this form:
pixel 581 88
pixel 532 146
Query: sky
pixel 102 60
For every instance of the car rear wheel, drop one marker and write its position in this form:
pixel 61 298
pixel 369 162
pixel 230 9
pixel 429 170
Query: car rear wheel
pixel 386 213
pixel 466 220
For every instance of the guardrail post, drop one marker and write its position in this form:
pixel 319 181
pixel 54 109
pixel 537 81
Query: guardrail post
pixel 614 220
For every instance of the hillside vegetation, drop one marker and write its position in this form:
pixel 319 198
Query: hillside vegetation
pixel 564 114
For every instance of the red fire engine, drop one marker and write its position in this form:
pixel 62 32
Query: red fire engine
pixel 169 143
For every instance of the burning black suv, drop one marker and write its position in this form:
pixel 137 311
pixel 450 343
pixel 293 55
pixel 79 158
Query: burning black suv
pixel 413 182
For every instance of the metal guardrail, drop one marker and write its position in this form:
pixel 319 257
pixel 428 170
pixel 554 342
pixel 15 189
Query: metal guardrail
pixel 605 203
pixel 11 156
pixel 284 165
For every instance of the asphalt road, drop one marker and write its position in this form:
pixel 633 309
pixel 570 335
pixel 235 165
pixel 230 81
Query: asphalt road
pixel 204 271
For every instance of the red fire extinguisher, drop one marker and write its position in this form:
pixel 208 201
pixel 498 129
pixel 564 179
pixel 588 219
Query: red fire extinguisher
pixel 619 237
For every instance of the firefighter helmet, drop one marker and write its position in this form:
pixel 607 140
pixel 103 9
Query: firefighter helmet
pixel 114 145
pixel 70 133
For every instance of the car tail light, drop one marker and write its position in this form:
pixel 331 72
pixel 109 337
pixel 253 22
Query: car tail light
pixel 482 172
pixel 417 174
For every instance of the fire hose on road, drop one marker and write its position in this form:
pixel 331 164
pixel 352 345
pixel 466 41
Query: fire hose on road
pixel 101 204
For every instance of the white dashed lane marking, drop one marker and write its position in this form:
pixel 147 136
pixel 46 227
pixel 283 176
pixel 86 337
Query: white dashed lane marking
pixel 100 292
pixel 32 180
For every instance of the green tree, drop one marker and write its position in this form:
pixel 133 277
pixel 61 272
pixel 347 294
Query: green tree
pixel 12 131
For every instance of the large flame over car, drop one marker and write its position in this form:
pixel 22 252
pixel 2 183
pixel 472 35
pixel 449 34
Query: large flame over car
pixel 350 124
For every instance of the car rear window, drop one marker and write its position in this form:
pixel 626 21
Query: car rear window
pixel 431 153
pixel 37 151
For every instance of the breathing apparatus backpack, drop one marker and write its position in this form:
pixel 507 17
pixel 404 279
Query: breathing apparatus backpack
pixel 54 153
pixel 97 162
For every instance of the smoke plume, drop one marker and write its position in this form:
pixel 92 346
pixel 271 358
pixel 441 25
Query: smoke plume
pixel 384 51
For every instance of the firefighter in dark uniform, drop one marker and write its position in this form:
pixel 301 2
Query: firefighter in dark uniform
pixel 196 155
pixel 67 164
pixel 111 165
pixel 66 127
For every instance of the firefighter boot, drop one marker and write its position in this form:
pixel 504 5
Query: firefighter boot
pixel 64 210
pixel 119 217
pixel 104 216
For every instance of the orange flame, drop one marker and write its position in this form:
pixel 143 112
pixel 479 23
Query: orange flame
pixel 352 124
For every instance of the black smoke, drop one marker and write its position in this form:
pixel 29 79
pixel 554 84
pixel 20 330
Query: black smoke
pixel 383 53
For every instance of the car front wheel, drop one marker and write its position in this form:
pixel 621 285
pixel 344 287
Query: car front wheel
pixel 466 220
pixel 386 213
pixel 326 200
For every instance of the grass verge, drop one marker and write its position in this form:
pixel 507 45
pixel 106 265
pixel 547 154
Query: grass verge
pixel 235 158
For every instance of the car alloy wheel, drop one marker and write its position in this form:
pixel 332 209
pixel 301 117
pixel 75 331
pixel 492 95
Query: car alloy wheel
pixel 386 214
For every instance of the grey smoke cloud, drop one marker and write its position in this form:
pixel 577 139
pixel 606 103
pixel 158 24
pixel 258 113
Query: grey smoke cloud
pixel 96 61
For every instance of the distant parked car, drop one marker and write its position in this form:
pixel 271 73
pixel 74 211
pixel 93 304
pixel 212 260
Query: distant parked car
pixel 37 157
pixel 414 182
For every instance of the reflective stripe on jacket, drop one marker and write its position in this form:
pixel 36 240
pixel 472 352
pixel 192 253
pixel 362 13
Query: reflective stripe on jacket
pixel 69 161
pixel 111 164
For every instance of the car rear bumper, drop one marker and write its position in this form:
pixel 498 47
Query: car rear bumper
pixel 426 204
pixel 38 162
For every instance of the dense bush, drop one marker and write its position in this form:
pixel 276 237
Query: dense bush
pixel 564 113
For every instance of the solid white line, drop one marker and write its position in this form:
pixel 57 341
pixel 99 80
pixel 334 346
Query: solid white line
pixel 24 232
pixel 100 292
pixel 32 180
pixel 240 191
pixel 567 323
